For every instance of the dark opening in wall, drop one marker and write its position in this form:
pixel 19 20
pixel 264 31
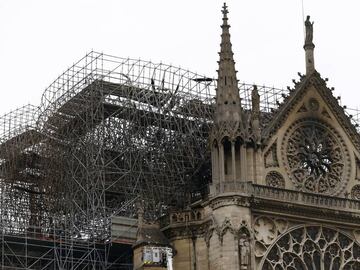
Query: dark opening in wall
pixel 227 156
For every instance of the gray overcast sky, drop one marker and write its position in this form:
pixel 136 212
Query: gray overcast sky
pixel 39 39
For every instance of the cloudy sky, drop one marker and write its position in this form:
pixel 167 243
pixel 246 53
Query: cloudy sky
pixel 39 39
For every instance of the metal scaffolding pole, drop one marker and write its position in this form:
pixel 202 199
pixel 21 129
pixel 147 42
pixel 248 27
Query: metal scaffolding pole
pixel 108 131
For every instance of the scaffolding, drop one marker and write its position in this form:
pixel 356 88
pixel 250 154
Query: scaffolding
pixel 109 131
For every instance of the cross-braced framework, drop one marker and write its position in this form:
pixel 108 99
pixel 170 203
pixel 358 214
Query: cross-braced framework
pixel 108 132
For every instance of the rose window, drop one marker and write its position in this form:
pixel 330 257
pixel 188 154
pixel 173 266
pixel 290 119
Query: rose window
pixel 315 157
pixel 313 248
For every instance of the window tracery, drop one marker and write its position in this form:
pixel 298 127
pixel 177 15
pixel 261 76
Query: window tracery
pixel 355 192
pixel 312 248
pixel 275 179
pixel 315 157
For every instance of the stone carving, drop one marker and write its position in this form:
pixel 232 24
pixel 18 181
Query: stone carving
pixel 313 104
pixel 271 159
pixel 285 109
pixel 221 230
pixel 281 225
pixel 255 116
pixel 355 192
pixel 226 226
pixel 357 235
pixel 260 249
pixel 186 216
pixel 209 230
pixel 244 252
pixel 302 109
pixel 309 31
pixel 208 234
pixel 265 230
pixel 255 101
pixel 316 157
pixel 241 201
pixel 230 129
pixel 233 130
pixel 326 114
pixel 275 179
pixel 231 200
pixel 313 247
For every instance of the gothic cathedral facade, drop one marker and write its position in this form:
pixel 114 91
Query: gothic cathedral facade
pixel 285 191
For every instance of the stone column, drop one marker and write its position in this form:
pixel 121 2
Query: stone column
pixel 233 162
pixel 243 162
pixel 221 167
pixel 309 58
pixel 215 168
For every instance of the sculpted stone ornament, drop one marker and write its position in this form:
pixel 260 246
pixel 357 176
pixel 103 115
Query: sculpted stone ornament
pixel 309 46
pixel 313 104
pixel 208 234
pixel 225 227
pixel 265 230
pixel 355 192
pixel 316 157
pixel 275 179
pixel 255 115
pixel 313 247
pixel 309 32
pixel 236 129
pixel 244 252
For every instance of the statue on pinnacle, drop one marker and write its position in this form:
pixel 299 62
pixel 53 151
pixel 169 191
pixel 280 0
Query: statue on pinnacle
pixel 309 32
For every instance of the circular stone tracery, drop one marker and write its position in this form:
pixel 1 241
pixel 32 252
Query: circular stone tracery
pixel 313 247
pixel 275 179
pixel 315 157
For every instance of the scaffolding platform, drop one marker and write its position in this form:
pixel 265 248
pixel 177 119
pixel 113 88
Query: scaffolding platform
pixel 108 132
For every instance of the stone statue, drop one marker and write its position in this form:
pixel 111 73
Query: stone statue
pixel 244 252
pixel 255 115
pixel 255 100
pixel 309 31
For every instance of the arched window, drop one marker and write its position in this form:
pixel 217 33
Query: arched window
pixel 227 156
pixel 313 247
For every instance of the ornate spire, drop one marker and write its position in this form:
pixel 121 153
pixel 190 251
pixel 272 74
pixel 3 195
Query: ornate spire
pixel 309 46
pixel 234 130
pixel 227 97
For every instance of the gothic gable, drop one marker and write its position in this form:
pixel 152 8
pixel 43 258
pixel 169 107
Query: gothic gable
pixel 296 95
pixel 311 143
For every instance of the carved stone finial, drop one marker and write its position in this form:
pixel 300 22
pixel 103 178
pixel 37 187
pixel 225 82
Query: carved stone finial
pixel 309 46
pixel 225 11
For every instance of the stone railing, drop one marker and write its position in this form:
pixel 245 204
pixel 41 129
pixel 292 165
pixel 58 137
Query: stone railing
pixel 179 217
pixel 239 187
pixel 266 193
pixel 289 196
pixel 303 198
